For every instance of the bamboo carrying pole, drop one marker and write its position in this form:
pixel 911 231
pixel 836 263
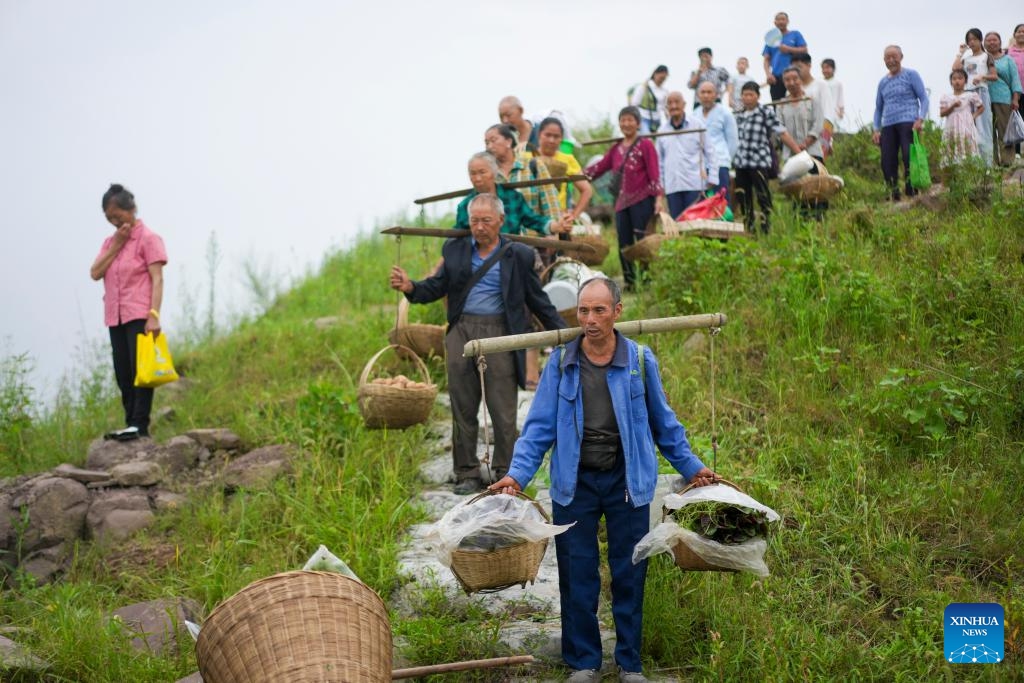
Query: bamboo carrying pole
pixel 511 186
pixel 531 340
pixel 419 671
pixel 605 141
pixel 550 243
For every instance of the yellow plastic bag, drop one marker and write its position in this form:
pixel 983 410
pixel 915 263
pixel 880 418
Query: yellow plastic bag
pixel 153 365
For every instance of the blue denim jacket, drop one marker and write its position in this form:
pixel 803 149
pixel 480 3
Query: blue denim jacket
pixel 644 417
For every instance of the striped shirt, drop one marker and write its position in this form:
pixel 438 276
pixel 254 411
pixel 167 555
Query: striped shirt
pixel 900 99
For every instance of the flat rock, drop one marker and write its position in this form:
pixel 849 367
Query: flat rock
pixel 177 455
pixel 194 678
pixel 116 515
pixel 138 473
pixel 15 658
pixel 103 454
pixel 167 500
pixel 257 468
pixel 216 438
pixel 44 565
pixel 69 471
pixel 158 626
pixel 55 508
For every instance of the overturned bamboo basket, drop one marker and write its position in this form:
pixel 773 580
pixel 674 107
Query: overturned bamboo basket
pixel 817 187
pixel 387 406
pixel 301 627
pixel 496 570
pixel 425 340
pixel 600 245
pixel 686 559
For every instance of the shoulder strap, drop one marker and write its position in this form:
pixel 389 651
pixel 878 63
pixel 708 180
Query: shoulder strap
pixel 643 370
pixel 482 270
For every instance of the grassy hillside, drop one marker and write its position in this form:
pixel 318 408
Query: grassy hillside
pixel 870 388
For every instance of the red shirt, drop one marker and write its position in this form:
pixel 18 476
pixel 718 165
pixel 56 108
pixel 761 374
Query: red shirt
pixel 127 286
pixel 640 176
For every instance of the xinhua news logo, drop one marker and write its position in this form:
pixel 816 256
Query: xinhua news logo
pixel 973 633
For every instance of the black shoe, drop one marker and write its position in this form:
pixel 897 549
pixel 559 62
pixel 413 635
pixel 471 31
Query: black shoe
pixel 469 486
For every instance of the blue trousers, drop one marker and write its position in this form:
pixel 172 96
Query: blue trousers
pixel 579 580
pixel 678 201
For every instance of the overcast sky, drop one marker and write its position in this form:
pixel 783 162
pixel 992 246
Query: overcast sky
pixel 289 128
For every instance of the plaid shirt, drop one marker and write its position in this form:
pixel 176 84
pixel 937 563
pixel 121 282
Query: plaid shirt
pixel 519 217
pixel 755 127
pixel 543 199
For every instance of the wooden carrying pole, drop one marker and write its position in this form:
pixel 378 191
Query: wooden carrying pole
pixel 605 141
pixel 539 340
pixel 420 671
pixel 511 186
pixel 548 242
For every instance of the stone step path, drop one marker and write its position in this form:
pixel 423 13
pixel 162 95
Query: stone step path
pixel 540 634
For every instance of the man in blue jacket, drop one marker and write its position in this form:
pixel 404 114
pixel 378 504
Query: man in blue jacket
pixel 603 463
pixel 491 288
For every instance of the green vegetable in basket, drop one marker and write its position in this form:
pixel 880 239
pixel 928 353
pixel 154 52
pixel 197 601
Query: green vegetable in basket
pixel 726 524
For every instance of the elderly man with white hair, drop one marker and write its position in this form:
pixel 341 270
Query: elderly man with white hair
pixel 492 291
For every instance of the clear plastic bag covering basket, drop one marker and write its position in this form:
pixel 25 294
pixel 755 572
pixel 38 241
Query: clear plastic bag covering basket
pixel 488 523
pixel 747 556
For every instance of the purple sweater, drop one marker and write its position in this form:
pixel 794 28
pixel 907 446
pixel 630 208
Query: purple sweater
pixel 900 99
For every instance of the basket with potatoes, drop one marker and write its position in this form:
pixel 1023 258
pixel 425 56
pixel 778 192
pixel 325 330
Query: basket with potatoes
pixel 395 402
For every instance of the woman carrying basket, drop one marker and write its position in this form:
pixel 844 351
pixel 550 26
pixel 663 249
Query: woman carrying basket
pixel 636 184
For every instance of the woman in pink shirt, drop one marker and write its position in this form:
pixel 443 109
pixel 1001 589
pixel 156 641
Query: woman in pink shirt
pixel 131 263
pixel 634 161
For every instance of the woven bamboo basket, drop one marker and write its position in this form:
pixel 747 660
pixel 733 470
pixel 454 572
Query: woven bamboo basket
pixel 394 407
pixel 645 250
pixel 490 572
pixel 686 559
pixel 424 340
pixel 300 627
pixel 600 245
pixel 813 188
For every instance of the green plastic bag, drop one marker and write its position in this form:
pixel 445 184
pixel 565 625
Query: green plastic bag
pixel 920 176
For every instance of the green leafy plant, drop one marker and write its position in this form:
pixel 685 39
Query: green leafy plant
pixel 727 524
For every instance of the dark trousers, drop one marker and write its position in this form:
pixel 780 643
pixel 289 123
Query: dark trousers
pixel 751 181
pixel 1002 155
pixel 579 579
pixel 778 88
pixel 464 389
pixel 895 140
pixel 724 181
pixel 137 402
pixel 630 225
pixel 678 201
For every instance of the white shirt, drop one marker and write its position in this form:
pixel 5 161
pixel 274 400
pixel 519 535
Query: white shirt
pixel 682 156
pixel 831 99
pixel 975 65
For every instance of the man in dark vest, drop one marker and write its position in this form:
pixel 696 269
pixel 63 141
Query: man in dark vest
pixel 492 289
